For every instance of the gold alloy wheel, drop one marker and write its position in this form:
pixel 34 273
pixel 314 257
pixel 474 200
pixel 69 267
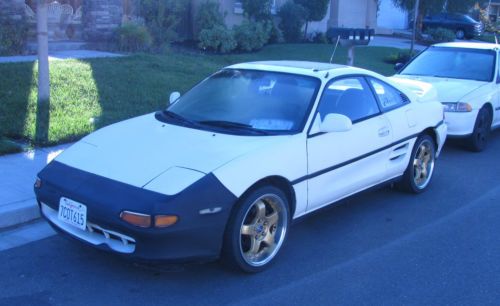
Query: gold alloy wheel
pixel 263 230
pixel 423 164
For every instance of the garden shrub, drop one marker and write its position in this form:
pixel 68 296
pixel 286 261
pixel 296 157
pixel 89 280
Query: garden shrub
pixel 13 35
pixel 208 17
pixel 320 38
pixel 251 36
pixel 258 10
pixel 133 37
pixel 276 35
pixel 399 57
pixel 162 18
pixel 293 17
pixel 218 38
pixel 441 35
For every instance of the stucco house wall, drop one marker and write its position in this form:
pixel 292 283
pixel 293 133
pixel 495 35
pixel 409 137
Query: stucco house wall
pixel 391 18
pixel 353 14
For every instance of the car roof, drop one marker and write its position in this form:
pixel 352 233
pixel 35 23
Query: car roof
pixel 316 69
pixel 469 45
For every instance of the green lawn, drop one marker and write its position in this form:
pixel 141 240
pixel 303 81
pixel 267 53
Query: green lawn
pixel 88 94
pixel 486 37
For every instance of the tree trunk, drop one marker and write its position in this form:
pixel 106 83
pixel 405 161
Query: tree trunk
pixel 414 32
pixel 42 120
pixel 350 55
pixel 305 30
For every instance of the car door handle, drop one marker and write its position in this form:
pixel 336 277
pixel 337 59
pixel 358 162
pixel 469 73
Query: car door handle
pixel 383 132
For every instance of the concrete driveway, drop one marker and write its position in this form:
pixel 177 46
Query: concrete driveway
pixel 395 42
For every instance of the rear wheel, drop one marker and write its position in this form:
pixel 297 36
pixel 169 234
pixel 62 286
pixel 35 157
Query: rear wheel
pixel 482 128
pixel 257 229
pixel 420 169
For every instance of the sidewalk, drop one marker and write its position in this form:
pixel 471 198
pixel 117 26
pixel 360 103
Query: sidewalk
pixel 59 55
pixel 395 42
pixel 17 199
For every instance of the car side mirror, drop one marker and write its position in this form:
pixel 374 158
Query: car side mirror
pixel 174 97
pixel 335 123
pixel 398 66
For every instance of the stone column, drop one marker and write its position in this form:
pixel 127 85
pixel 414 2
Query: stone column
pixel 101 18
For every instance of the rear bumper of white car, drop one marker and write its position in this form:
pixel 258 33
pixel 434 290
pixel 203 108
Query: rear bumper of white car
pixel 460 124
pixel 441 132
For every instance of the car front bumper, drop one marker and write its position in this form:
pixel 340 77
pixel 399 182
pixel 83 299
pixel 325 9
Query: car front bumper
pixel 196 236
pixel 460 124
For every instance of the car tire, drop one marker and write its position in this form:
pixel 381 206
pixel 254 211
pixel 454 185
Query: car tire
pixel 481 133
pixel 460 34
pixel 420 168
pixel 257 229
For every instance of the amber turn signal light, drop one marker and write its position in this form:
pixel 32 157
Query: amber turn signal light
pixel 165 220
pixel 136 219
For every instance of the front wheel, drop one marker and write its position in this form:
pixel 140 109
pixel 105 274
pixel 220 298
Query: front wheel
pixel 419 172
pixel 482 128
pixel 257 229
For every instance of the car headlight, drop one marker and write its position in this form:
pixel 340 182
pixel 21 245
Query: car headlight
pixel 457 107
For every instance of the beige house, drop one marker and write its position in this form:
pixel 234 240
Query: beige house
pixel 97 20
pixel 341 13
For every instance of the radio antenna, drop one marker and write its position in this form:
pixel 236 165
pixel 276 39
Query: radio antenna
pixel 336 45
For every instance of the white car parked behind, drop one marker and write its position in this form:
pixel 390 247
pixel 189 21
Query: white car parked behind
pixel 467 78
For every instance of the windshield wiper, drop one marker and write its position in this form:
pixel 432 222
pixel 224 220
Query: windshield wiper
pixel 178 117
pixel 233 125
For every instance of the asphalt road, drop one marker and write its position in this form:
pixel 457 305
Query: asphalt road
pixel 381 247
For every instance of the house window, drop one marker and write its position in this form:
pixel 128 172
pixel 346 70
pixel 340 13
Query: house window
pixel 238 7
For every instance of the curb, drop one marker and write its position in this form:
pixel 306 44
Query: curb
pixel 17 213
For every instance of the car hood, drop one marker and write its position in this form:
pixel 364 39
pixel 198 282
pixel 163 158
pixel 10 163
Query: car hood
pixel 448 90
pixel 138 150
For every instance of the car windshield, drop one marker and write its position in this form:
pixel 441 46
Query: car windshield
pixel 457 63
pixel 247 101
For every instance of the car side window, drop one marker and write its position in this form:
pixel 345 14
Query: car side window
pixel 350 97
pixel 388 96
pixel 498 68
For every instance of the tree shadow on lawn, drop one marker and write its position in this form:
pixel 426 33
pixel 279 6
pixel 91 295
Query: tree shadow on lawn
pixel 17 81
pixel 140 84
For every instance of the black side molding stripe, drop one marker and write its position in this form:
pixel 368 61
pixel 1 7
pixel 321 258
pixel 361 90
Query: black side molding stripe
pixel 498 108
pixel 335 167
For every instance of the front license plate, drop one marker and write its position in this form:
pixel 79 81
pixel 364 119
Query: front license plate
pixel 73 213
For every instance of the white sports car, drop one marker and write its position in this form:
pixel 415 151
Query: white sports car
pixel 227 166
pixel 466 77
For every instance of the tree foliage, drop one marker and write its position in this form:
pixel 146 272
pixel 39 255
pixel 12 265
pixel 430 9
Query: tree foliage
pixel 315 9
pixel 293 18
pixel 209 16
pixel 162 18
pixel 258 10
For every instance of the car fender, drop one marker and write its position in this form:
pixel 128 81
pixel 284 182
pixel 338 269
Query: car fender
pixel 480 96
pixel 286 158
